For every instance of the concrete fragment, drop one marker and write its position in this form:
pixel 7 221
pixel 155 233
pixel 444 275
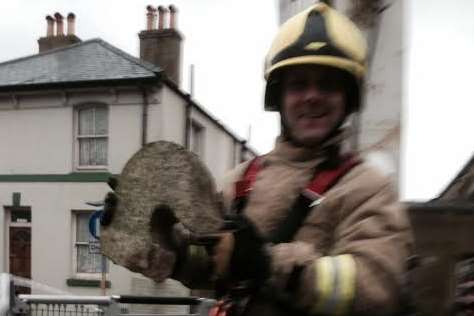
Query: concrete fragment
pixel 162 176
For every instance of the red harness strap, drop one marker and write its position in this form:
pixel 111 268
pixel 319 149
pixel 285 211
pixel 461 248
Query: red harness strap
pixel 244 186
pixel 322 181
pixel 326 178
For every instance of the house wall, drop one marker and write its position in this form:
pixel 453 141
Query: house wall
pixel 172 109
pixel 217 148
pixel 52 206
pixel 41 135
pixel 36 140
pixel 39 142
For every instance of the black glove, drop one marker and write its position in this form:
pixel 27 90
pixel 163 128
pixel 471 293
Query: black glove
pixel 249 265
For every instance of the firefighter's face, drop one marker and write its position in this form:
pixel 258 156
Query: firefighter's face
pixel 313 103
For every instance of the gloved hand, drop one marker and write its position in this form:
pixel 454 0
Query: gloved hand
pixel 235 257
pixel 240 256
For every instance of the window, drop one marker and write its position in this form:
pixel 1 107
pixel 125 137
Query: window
pixel 197 138
pixel 87 259
pixel 20 215
pixel 92 136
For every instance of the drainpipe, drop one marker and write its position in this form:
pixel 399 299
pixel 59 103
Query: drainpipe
pixel 243 143
pixel 144 116
pixel 187 123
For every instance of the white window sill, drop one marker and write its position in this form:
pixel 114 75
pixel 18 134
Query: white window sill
pixel 92 168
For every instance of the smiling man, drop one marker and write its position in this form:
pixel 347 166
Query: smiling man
pixel 323 233
pixel 318 230
pixel 314 230
pixel 314 103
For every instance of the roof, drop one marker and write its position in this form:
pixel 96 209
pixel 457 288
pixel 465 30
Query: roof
pixel 462 186
pixel 89 61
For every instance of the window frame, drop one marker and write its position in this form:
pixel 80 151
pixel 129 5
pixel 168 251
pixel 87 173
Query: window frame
pixel 74 243
pixel 77 137
pixel 195 125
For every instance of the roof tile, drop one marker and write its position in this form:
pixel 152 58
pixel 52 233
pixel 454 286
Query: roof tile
pixel 92 60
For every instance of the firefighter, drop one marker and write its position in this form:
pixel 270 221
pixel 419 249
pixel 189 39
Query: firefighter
pixel 313 228
pixel 345 252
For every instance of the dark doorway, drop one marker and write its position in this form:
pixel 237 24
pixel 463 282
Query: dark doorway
pixel 20 255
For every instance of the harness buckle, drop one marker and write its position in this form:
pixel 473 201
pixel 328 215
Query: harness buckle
pixel 315 197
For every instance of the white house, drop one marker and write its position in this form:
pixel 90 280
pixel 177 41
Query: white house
pixel 71 116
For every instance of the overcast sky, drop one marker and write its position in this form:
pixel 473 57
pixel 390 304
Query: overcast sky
pixel 438 93
pixel 225 40
pixel 228 39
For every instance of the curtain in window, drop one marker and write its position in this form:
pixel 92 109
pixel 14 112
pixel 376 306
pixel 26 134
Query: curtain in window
pixel 86 262
pixel 82 227
pixel 93 141
pixel 101 151
pixel 84 151
pixel 86 121
pixel 101 122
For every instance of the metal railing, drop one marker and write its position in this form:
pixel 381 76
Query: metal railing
pixel 72 305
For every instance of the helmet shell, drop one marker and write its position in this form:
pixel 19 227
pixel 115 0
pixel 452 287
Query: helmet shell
pixel 318 35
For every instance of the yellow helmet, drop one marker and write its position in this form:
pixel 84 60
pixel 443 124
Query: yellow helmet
pixel 318 35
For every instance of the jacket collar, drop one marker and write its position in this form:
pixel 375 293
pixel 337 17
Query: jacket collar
pixel 286 152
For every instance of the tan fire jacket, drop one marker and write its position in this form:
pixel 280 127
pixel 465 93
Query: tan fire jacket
pixel 352 246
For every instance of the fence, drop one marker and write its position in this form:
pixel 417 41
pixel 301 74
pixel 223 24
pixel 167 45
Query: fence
pixel 69 305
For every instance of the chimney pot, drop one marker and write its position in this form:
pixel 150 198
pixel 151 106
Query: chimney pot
pixel 150 18
pixel 59 24
pixel 50 26
pixel 71 21
pixel 173 16
pixel 56 40
pixel 161 16
pixel 163 47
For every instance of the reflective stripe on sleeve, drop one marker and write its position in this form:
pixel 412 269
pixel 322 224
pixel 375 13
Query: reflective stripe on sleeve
pixel 347 283
pixel 324 282
pixel 335 284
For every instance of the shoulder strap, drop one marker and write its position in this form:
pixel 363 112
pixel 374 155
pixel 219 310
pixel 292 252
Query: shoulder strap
pixel 326 178
pixel 245 184
pixel 310 197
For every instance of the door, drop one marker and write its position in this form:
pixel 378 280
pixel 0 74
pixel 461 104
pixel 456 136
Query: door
pixel 20 255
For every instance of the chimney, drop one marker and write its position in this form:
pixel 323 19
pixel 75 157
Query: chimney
pixel 52 40
pixel 173 16
pixel 71 21
pixel 162 46
pixel 150 18
pixel 50 26
pixel 161 18
pixel 59 24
